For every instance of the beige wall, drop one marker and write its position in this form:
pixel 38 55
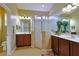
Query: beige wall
pixel 32 39
pixel 30 12
pixel 13 8
pixel 14 12
pixel 11 22
pixel 3 28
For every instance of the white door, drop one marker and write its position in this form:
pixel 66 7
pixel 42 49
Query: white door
pixel 38 36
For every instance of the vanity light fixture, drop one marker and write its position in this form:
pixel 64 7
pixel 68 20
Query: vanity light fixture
pixel 70 7
pixel 74 7
pixel 67 9
pixel 75 4
pixel 21 17
pixel 64 9
pixel 43 17
pixel 37 17
pixel 29 17
pixel 24 17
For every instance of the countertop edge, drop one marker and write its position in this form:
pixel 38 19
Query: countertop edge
pixel 70 39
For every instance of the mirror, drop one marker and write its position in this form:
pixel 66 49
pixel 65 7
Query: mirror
pixel 63 24
pixel 25 25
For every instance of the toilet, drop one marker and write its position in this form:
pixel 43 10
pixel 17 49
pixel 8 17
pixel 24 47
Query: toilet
pixel 4 45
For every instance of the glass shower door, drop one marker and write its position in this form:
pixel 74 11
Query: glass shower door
pixel 38 36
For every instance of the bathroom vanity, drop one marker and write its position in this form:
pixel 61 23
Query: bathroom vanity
pixel 23 33
pixel 65 45
pixel 23 39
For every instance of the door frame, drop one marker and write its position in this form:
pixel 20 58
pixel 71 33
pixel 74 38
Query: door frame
pixel 8 12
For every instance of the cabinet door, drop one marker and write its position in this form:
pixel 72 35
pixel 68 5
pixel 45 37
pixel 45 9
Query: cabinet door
pixel 27 40
pixel 75 49
pixel 55 45
pixel 19 40
pixel 52 42
pixel 63 47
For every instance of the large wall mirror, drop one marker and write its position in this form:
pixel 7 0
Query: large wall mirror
pixel 25 25
pixel 63 24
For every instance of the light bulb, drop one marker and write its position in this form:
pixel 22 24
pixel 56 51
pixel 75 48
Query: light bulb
pixel 74 3
pixel 64 9
pixel 69 6
pixel 77 4
pixel 74 7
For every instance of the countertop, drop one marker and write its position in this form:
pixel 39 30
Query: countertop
pixel 70 37
pixel 23 33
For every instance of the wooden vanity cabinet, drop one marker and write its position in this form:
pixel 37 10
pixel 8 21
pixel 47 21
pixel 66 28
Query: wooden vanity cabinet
pixel 60 46
pixel 63 47
pixel 27 40
pixel 55 45
pixel 75 49
pixel 23 40
pixel 19 40
pixel 52 43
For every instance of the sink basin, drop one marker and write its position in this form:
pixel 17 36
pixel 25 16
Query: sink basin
pixel 76 36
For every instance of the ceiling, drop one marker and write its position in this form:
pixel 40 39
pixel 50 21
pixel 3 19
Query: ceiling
pixel 55 8
pixel 45 7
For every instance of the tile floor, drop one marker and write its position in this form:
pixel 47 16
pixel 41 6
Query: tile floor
pixel 27 51
pixel 3 54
